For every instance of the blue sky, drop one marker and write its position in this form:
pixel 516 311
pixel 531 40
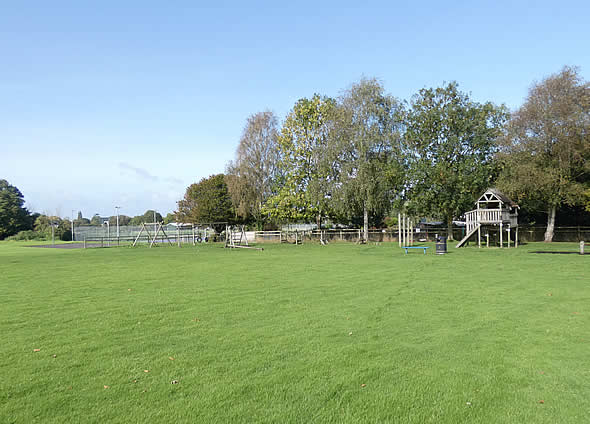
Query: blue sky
pixel 126 103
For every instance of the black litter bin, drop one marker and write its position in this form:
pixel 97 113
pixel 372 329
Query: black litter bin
pixel 441 245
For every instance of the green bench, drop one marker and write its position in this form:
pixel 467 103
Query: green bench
pixel 415 247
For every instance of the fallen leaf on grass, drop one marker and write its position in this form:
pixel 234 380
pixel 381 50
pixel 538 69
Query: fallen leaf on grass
pixel 171 358
pixel 541 401
pixel 196 320
pixel 128 289
pixel 350 334
pixel 36 350
pixel 550 294
pixel 575 313
pixel 363 385
pixel 146 370
pixel 107 387
pixel 54 356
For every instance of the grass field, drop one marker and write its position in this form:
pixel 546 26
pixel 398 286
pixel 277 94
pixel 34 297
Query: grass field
pixel 341 333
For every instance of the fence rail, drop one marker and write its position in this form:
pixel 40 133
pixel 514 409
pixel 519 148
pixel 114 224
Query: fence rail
pixel 128 234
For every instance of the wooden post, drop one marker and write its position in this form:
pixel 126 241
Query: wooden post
pixel 404 233
pixel 399 229
pixel 501 242
pixel 479 236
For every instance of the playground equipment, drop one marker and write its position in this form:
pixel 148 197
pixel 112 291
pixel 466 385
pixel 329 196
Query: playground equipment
pixel 405 227
pixel 158 229
pixel 235 236
pixel 494 210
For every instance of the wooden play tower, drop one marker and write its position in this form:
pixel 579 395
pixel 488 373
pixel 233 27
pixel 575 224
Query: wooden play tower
pixel 495 212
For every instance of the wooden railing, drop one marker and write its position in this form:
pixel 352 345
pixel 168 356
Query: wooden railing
pixel 488 216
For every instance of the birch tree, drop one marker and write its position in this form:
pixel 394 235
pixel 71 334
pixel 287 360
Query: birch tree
pixel 250 177
pixel 366 153
pixel 546 151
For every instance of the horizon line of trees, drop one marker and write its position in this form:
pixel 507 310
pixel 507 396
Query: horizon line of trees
pixel 359 158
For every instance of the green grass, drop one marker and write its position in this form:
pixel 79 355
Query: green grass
pixel 342 333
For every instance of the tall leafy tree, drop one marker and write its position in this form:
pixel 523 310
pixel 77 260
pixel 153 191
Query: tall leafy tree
pixel 302 193
pixel 366 152
pixel 250 177
pixel 146 217
pixel 61 227
pixel 14 217
pixel 123 220
pixel 451 142
pixel 207 201
pixel 546 151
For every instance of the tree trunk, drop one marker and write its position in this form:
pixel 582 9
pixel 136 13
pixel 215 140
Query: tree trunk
pixel 550 223
pixel 366 224
pixel 450 229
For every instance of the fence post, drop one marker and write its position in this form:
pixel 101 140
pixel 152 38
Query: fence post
pixel 582 247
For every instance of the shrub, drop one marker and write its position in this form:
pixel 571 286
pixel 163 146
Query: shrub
pixel 28 235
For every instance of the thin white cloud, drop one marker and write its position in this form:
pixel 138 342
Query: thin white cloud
pixel 138 172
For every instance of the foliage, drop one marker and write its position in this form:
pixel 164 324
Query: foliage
pixel 451 142
pixel 302 191
pixel 14 217
pixel 170 218
pixel 28 235
pixel 123 220
pixel 96 220
pixel 250 177
pixel 81 222
pixel 207 201
pixel 365 158
pixel 546 151
pixel 62 228
pixel 148 216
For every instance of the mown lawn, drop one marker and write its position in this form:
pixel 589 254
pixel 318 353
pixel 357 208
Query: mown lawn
pixel 341 333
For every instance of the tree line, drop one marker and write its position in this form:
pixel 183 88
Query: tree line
pixel 358 158
pixel 18 223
